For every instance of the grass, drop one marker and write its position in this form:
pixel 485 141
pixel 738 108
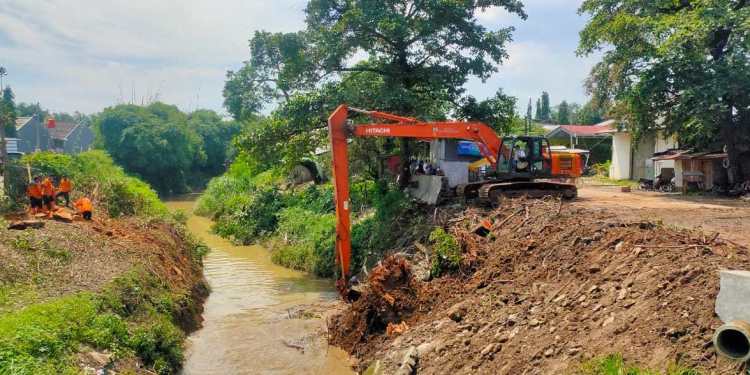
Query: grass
pixel 614 364
pixel 136 315
pixel 602 180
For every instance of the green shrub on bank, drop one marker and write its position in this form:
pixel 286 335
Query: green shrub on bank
pixel 95 174
pixel 309 238
pixel 252 207
pixel 446 255
pixel 136 314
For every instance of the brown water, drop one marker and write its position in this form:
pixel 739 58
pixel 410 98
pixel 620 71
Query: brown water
pixel 247 316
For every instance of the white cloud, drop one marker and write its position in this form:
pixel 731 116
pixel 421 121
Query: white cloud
pixel 79 55
pixel 89 54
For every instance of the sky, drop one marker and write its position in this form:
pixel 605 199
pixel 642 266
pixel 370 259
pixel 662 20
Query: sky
pixel 86 55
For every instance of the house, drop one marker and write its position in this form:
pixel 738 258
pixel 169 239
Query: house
pixel 71 138
pixel 634 160
pixel 595 138
pixel 32 135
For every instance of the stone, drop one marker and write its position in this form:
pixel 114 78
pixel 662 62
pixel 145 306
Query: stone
pixel 409 363
pixel 427 347
pixel 733 301
pixel 457 312
pixel 489 349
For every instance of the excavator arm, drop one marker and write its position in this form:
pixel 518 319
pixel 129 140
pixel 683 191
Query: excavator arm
pixel 397 126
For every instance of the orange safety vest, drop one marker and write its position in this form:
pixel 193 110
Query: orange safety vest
pixel 47 188
pixel 65 186
pixel 34 191
pixel 84 205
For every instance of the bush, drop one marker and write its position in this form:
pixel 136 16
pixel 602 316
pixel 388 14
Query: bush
pixel 446 252
pixel 310 240
pixel 94 174
pixel 601 169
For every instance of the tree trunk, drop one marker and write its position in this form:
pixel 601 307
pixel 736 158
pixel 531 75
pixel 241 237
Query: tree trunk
pixel 405 174
pixel 3 159
pixel 732 136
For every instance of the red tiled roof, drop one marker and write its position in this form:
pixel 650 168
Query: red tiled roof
pixel 62 130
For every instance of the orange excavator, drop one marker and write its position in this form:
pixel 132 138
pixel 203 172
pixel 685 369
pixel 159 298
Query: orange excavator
pixel 522 165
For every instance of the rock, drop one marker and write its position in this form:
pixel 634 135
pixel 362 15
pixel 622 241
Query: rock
pixel 409 363
pixel 63 215
pixel 534 322
pixel 608 321
pixel 594 269
pixel 622 295
pixel 488 350
pixel 427 347
pixel 457 312
pixel 619 246
pixel 549 352
pixel 574 350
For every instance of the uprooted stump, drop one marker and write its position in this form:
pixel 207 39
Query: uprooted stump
pixel 390 297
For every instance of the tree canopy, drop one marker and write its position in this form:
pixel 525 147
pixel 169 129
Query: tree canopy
pixel 408 57
pixel 164 146
pixel 546 112
pixel 679 66
pixel 8 112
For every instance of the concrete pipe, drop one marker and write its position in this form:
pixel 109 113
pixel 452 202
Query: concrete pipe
pixel 733 340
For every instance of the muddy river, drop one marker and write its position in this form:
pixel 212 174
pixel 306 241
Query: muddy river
pixel 249 323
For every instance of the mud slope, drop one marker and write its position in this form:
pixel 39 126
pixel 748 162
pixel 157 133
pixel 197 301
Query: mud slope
pixel 548 288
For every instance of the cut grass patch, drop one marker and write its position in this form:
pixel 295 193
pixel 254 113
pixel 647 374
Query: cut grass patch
pixel 614 364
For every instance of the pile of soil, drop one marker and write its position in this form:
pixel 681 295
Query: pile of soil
pixel 551 286
pixel 391 296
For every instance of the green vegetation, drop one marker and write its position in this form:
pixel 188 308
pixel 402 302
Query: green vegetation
pixel 679 67
pixel 299 223
pixel 446 252
pixel 171 150
pixel 95 174
pixel 136 315
pixel 615 365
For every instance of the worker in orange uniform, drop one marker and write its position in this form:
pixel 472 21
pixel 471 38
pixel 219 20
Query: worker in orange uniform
pixel 84 207
pixel 48 195
pixel 63 190
pixel 34 192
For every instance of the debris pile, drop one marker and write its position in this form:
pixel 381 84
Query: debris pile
pixel 556 285
pixel 392 296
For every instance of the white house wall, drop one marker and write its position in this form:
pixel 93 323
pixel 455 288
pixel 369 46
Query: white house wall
pixel 621 153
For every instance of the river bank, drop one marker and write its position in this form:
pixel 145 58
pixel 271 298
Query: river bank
pixel 260 317
pixel 114 294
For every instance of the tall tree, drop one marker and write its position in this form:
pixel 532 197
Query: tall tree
pixel 7 127
pixel 538 114
pixel 420 53
pixel 563 113
pixel 546 110
pixel 680 66
pixel 497 112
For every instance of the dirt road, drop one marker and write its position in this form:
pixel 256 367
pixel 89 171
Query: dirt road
pixel 730 217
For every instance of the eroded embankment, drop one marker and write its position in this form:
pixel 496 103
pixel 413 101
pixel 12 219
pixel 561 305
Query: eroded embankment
pixel 549 288
pixel 83 296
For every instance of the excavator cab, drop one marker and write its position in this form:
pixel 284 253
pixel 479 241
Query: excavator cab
pixel 524 158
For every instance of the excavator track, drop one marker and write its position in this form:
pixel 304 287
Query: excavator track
pixel 493 193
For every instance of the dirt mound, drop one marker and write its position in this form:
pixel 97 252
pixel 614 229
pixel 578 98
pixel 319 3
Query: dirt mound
pixel 556 285
pixel 391 296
